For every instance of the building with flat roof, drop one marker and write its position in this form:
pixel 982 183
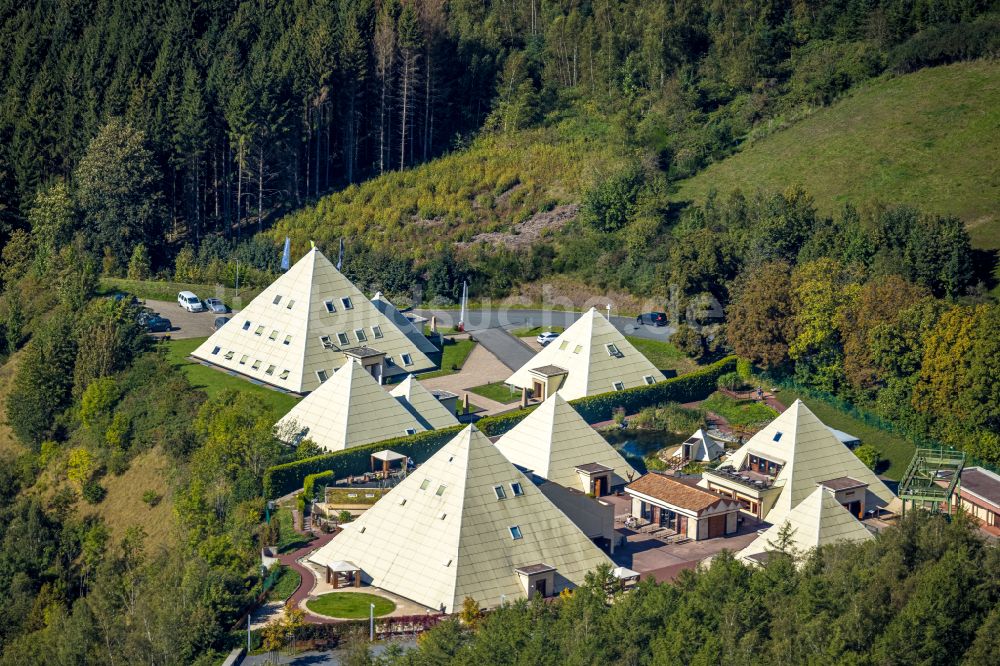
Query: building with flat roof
pixel 979 495
pixel 300 329
pixel 817 520
pixel 783 463
pixel 685 508
pixel 588 358
pixel 466 523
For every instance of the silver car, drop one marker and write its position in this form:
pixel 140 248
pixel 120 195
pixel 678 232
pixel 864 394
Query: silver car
pixel 216 305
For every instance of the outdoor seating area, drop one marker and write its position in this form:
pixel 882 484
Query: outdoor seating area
pixel 746 477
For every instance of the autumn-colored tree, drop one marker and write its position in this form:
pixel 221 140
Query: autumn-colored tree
pixel 760 318
pixel 878 302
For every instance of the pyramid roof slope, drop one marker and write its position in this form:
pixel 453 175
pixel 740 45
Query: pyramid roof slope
pixel 419 340
pixel 442 534
pixel 278 337
pixel 810 454
pixel 347 410
pixel 818 520
pixel 706 449
pixel 553 440
pixel 582 350
pixel 422 404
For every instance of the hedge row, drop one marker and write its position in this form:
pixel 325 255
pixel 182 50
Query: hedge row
pixel 283 479
pixel 686 388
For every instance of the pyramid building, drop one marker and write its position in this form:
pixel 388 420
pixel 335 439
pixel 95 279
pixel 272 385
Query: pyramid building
pixel 419 340
pixel 781 465
pixel 423 405
pixel 816 521
pixel 349 409
pixel 467 523
pixel 557 444
pixel 301 327
pixel 702 448
pixel 588 358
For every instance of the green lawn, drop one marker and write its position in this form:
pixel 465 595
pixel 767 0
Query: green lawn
pixel 739 412
pixel 214 381
pixel 896 450
pixel 349 605
pixel 497 391
pixel 452 358
pixel 929 139
pixel 162 290
pixel 664 355
pixel 532 332
pixel 289 539
pixel 288 581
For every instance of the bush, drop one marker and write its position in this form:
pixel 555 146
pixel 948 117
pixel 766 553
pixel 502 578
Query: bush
pixel 151 498
pixel 869 455
pixel 689 341
pixel 744 368
pixel 345 516
pixel 731 381
pixel 611 204
pixel 93 492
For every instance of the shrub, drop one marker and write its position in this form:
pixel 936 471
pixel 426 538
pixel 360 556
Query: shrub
pixel 93 492
pixel 731 381
pixel 611 204
pixel 151 498
pixel 869 455
pixel 689 341
pixel 345 516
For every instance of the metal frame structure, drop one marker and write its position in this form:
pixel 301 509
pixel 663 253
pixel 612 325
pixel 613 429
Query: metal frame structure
pixel 932 478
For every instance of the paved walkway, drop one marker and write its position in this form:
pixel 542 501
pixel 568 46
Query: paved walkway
pixel 509 350
pixel 482 367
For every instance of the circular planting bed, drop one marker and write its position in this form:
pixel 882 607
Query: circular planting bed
pixel 349 605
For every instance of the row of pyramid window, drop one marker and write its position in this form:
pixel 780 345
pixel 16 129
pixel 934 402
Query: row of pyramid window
pixel 620 386
pixel 255 365
pixel 327 341
pixel 515 533
pixel 331 306
pixel 611 348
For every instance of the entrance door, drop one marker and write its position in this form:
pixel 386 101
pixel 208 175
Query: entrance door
pixel 538 390
pixel 716 526
pixel 540 587
pixel 599 486
pixel 854 508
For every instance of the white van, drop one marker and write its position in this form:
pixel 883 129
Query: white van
pixel 190 302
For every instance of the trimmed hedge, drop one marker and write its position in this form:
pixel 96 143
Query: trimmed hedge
pixel 283 479
pixel 309 485
pixel 686 388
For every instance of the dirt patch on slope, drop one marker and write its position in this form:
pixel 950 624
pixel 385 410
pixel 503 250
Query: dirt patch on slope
pixel 531 230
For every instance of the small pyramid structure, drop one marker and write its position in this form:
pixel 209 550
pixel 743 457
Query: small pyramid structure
pixel 553 440
pixel 443 533
pixel 591 366
pixel 293 333
pixel 818 520
pixel 810 454
pixel 419 340
pixel 422 404
pixel 349 409
pixel 704 448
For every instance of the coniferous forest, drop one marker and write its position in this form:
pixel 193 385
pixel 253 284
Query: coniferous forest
pixel 163 141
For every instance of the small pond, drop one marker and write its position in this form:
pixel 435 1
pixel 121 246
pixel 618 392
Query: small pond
pixel 634 445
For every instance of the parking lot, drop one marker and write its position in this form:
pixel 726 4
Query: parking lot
pixel 185 324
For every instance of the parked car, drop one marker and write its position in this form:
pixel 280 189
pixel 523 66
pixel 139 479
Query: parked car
pixel 216 305
pixel 158 324
pixel 120 296
pixel 546 337
pixel 652 319
pixel 219 323
pixel 190 302
pixel 144 314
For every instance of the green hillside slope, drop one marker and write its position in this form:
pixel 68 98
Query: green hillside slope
pixel 930 139
pixel 496 182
